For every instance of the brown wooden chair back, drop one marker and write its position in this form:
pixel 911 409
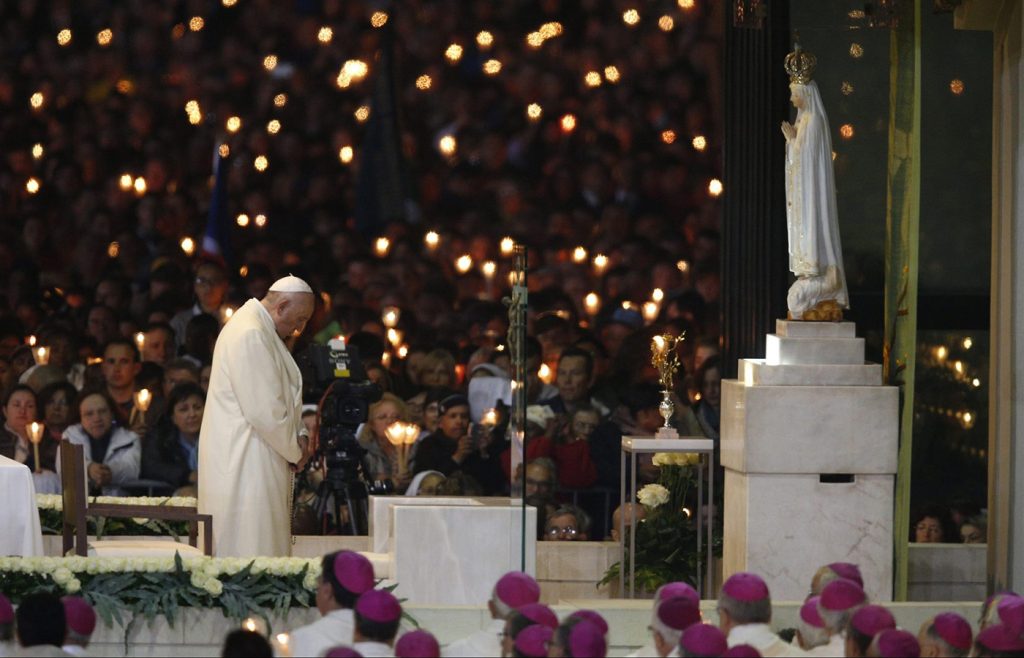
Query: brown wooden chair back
pixel 73 528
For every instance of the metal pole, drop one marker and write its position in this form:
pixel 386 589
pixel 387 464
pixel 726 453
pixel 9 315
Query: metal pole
pixel 517 353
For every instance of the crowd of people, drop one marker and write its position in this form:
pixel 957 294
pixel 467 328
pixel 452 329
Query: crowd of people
pixel 360 619
pixel 593 154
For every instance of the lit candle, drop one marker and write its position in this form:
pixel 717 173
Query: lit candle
pixel 394 336
pixel 592 303
pixel 390 315
pixel 659 344
pixel 508 245
pixel 432 239
pixel 545 373
pixel 490 418
pixel 35 435
pixel 381 247
pixel 579 255
pixel 142 399
pixel 650 311
pixel 41 355
pixel 600 264
pixel 283 642
pixel 31 340
pixel 489 268
pixel 140 340
pixel 403 351
pixel 657 295
pixel 463 263
pixel 188 245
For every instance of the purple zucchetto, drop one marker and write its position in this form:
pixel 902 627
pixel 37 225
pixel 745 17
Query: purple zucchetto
pixel 745 586
pixel 342 652
pixel 896 643
pixel 593 617
pixel 809 612
pixel 1000 637
pixel 6 611
pixel 849 571
pixel 587 639
pixel 515 589
pixel 539 613
pixel 533 640
pixel 1011 613
pixel 417 644
pixel 678 589
pixel 954 630
pixel 379 606
pixel 841 595
pixel 354 572
pixel 678 614
pixel 871 620
pixel 741 651
pixel 704 640
pixel 81 618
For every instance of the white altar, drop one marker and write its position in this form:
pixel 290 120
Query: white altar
pixel 809 444
pixel 450 551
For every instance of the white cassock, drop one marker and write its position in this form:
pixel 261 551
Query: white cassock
pixel 761 637
pixel 248 437
pixel 484 643
pixel 332 630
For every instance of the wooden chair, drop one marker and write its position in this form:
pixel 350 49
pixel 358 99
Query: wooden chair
pixel 77 508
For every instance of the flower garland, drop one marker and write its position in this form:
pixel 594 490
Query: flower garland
pixel 51 509
pixel 241 587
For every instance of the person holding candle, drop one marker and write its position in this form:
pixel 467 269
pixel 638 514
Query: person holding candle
pixel 113 454
pixel 120 367
pixel 15 442
pixel 452 447
pixel 171 450
pixel 380 463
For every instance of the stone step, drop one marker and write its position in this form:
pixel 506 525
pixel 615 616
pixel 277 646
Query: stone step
pixel 798 329
pixel 809 429
pixel 755 372
pixel 785 350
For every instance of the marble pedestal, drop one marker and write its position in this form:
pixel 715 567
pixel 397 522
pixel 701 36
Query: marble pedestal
pixel 809 439
pixel 449 550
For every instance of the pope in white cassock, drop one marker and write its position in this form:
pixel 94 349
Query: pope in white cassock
pixel 249 443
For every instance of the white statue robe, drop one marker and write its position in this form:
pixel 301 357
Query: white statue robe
pixel 815 253
pixel 249 437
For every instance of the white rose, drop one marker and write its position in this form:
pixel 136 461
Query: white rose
pixel 198 580
pixel 652 495
pixel 62 576
pixel 310 581
pixel 74 585
pixel 214 586
pixel 661 459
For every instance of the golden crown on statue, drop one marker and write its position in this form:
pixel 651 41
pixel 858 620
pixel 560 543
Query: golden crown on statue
pixel 800 65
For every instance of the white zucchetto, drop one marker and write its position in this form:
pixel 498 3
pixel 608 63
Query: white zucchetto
pixel 291 284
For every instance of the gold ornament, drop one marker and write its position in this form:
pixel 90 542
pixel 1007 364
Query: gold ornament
pixel 800 65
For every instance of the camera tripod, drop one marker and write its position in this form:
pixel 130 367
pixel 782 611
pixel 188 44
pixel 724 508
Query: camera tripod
pixel 346 494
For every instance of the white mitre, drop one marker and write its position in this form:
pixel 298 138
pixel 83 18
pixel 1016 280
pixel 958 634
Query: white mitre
pixel 291 284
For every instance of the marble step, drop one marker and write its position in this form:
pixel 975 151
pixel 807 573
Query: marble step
pixel 797 329
pixel 809 429
pixel 786 350
pixel 755 372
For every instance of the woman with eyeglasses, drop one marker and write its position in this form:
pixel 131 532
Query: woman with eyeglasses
pixel 113 454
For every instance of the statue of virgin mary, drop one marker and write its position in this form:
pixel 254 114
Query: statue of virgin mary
pixel 815 253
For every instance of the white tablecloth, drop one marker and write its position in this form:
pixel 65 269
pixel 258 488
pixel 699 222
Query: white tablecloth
pixel 19 519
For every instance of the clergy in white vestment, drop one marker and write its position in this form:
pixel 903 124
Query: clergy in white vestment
pixel 745 615
pixel 81 622
pixel 249 439
pixel 676 589
pixel 512 591
pixel 811 634
pixel 344 577
pixel 378 615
